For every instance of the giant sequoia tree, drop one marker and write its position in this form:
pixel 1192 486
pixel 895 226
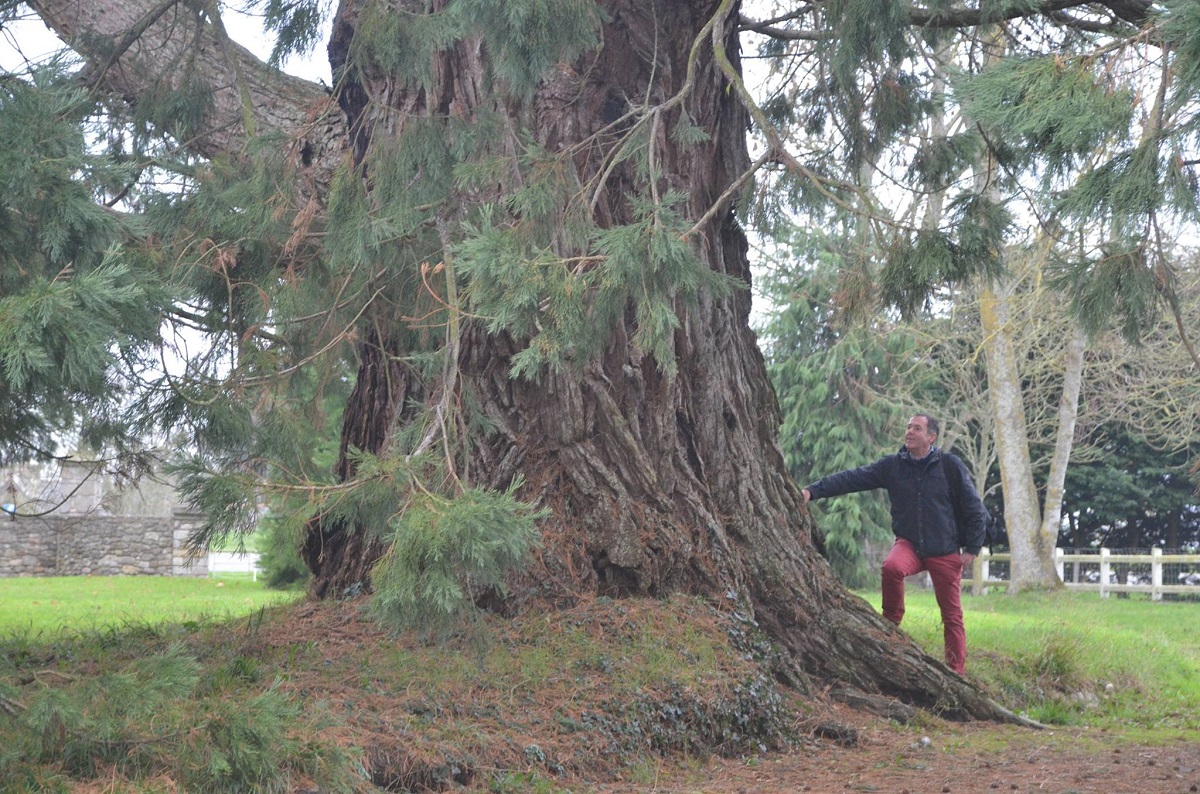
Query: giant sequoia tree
pixel 519 221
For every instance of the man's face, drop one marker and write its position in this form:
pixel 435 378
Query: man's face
pixel 917 438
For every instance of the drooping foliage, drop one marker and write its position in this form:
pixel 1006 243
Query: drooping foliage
pixel 72 312
pixel 1083 118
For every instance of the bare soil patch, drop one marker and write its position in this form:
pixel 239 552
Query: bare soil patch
pixel 961 759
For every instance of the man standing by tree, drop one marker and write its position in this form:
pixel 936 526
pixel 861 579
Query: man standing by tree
pixel 937 517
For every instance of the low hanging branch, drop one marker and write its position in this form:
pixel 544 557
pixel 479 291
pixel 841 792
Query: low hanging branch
pixel 1135 12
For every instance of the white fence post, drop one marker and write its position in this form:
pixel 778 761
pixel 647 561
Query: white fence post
pixel 1158 584
pixel 230 562
pixel 1156 574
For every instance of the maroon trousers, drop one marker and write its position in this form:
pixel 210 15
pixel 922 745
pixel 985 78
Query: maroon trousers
pixel 946 573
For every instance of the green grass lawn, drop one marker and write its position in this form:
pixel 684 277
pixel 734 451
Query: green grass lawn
pixel 32 606
pixel 126 680
pixel 1062 658
pixel 1076 658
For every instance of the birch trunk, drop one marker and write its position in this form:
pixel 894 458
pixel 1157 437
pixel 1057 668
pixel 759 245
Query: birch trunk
pixel 1032 559
pixel 1068 413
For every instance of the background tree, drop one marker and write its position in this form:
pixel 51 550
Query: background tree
pixel 1037 116
pixel 1133 489
pixel 1131 496
pixel 70 310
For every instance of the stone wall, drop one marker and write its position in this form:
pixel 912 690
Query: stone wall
pixel 81 486
pixel 97 545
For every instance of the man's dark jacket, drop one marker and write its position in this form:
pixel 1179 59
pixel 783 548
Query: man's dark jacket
pixel 922 496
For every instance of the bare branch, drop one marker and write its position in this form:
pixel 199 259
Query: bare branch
pixel 133 47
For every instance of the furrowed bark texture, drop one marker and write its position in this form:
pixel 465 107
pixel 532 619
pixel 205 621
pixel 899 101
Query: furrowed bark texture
pixel 656 483
pixel 341 554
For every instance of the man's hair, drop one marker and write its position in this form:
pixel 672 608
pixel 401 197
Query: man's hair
pixel 932 424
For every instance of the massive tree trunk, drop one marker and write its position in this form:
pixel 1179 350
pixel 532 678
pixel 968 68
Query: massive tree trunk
pixel 657 482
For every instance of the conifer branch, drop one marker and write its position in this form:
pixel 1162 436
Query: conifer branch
pixel 92 77
pixel 172 51
pixel 775 147
pixel 54 674
pixel 337 338
pixel 419 321
pixel 1134 11
pixel 652 156
pixel 734 188
pixel 1172 300
pixel 1084 25
pixel 453 344
pixel 1173 303
pixel 48 511
pixel 769 28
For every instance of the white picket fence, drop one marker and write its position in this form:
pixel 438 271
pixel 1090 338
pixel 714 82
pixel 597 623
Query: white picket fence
pixel 1093 571
pixel 232 562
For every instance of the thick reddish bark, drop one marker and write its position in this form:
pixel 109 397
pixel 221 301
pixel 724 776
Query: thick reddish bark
pixel 343 555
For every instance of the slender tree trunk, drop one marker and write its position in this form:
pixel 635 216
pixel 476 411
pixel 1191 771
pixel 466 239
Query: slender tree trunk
pixel 1032 549
pixel 1032 554
pixel 1068 412
pixel 1032 529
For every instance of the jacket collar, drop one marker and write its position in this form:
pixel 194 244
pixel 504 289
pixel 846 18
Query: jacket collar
pixel 935 454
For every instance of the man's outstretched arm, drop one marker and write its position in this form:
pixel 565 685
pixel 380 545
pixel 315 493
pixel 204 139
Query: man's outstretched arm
pixel 864 478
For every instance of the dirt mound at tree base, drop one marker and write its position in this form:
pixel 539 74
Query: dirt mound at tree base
pixel 631 695
pixel 670 696
pixel 574 695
